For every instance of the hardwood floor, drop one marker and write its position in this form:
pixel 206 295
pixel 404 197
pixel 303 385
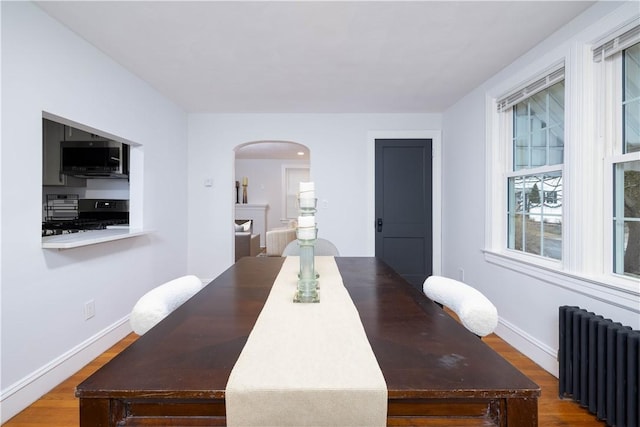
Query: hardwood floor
pixel 552 411
pixel 59 407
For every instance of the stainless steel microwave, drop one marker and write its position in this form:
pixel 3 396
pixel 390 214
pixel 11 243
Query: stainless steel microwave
pixel 95 159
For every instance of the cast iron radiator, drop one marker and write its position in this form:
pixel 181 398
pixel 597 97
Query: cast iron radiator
pixel 599 366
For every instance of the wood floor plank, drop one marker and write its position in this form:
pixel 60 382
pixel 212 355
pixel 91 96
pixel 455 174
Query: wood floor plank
pixel 59 407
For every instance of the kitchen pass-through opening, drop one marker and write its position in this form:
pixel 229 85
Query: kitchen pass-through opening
pixel 91 179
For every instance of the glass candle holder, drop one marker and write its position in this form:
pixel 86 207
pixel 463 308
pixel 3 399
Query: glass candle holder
pixel 306 233
pixel 307 203
pixel 307 290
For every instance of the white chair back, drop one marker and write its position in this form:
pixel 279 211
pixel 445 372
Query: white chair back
pixel 323 248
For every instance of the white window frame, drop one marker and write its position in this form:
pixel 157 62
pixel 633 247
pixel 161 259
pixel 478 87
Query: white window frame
pixel 609 82
pixel 611 163
pixel 289 201
pixel 500 162
pixel 586 265
pixel 507 115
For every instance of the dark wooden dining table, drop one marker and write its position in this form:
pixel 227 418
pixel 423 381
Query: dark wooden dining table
pixel 437 372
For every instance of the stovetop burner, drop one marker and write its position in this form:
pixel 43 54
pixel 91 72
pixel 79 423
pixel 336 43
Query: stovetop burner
pixel 92 214
pixel 57 232
pixel 54 228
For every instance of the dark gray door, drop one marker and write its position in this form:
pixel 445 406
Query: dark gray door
pixel 404 207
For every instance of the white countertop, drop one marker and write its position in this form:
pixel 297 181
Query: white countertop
pixel 85 238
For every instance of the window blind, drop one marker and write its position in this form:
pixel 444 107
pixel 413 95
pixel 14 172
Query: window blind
pixel 617 42
pixel 547 79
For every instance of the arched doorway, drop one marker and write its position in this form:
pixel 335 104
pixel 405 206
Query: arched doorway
pixel 272 171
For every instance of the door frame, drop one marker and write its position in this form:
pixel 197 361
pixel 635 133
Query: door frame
pixel 435 137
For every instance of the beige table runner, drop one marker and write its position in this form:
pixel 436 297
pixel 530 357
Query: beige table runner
pixel 307 364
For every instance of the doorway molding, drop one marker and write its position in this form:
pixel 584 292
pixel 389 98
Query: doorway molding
pixel 435 136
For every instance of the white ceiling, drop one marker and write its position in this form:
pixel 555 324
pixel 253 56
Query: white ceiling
pixel 314 57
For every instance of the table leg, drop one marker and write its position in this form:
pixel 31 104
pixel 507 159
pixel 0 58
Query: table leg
pixel 100 412
pixel 522 412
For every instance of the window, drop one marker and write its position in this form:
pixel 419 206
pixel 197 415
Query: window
pixel 619 59
pixel 563 166
pixel 626 218
pixel 534 178
pixel 626 163
pixel 631 99
pixel 291 178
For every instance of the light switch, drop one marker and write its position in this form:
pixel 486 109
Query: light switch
pixel 208 182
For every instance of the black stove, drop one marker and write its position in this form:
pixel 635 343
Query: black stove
pixel 54 228
pixel 92 214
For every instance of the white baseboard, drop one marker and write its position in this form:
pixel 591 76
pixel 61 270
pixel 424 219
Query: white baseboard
pixel 540 353
pixel 24 392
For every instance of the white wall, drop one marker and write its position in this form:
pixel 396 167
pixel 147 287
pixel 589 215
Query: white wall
pixel 341 166
pixel 265 185
pixel 527 304
pixel 45 338
pixel 45 67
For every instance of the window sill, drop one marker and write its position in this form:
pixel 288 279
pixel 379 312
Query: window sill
pixel 86 238
pixel 619 291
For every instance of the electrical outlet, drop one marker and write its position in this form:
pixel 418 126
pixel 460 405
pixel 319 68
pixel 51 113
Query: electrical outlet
pixel 461 274
pixel 89 309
